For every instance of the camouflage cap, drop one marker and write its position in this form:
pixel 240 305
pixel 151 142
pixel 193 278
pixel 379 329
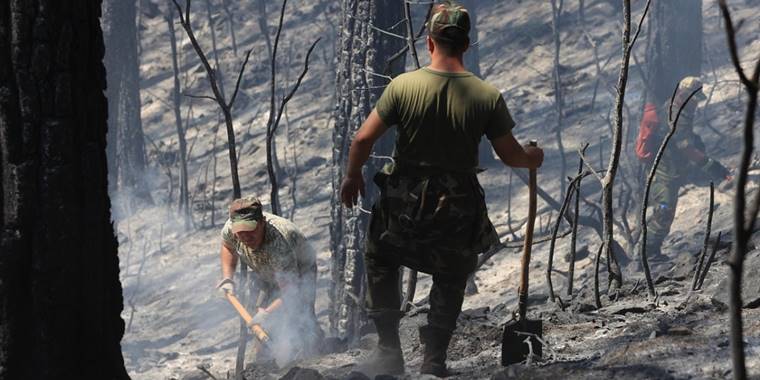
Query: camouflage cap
pixel 446 15
pixel 689 84
pixel 245 213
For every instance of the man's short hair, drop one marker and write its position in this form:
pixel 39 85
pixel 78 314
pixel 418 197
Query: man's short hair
pixel 449 26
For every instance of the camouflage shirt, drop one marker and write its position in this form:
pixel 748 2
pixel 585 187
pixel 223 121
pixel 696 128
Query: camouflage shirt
pixel 284 249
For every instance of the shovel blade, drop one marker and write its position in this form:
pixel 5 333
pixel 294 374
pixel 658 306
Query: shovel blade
pixel 514 349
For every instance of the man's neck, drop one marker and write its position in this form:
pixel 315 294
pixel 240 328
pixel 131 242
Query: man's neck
pixel 447 64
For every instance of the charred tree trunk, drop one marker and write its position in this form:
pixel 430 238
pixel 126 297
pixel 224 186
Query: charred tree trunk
pixel 273 121
pixel 59 265
pixel 675 46
pixel 363 51
pixel 744 224
pixel 214 48
pixel 472 63
pixel 261 20
pixel 184 197
pixel 615 275
pixel 559 100
pixel 126 144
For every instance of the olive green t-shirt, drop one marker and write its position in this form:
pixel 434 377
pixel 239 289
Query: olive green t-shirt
pixel 441 117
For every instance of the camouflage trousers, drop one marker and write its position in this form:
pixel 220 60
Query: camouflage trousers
pixel 384 292
pixel 663 200
pixel 431 222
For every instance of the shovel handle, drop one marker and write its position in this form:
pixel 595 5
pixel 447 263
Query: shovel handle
pixel 257 331
pixel 528 244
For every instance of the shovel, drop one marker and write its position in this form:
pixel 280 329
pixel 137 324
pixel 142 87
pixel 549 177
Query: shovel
pixel 257 331
pixel 523 337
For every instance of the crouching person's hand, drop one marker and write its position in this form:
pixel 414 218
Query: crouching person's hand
pixel 226 286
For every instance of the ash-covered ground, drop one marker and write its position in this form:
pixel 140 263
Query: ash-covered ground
pixel 681 334
pixel 176 321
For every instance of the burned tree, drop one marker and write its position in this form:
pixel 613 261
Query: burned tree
pixel 675 46
pixel 126 144
pixel 218 96
pixel 743 225
pixel 615 274
pixel 226 109
pixel 59 265
pixel 276 111
pixel 363 51
pixel 472 63
pixel 559 100
pixel 184 196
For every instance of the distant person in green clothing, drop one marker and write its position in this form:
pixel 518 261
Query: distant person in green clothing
pixel 684 160
pixel 431 215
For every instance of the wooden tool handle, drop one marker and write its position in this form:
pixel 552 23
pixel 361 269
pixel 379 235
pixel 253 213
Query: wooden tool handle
pixel 528 244
pixel 257 331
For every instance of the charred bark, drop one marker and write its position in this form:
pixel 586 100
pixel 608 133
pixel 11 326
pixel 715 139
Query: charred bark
pixel 59 265
pixel 274 121
pixel 675 46
pixel 184 196
pixel 673 124
pixel 615 275
pixel 126 144
pixel 743 226
pixel 559 101
pixel 363 52
pixel 472 63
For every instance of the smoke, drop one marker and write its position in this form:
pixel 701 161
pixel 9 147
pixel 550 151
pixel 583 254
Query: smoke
pixel 293 327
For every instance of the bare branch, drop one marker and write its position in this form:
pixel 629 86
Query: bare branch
pixel 388 77
pixel 698 267
pixel 409 31
pixel 753 213
pixel 587 163
pixel 273 122
pixel 287 98
pixel 709 261
pixel 240 77
pixel 641 22
pixel 568 196
pixel 574 236
pixel 383 31
pixel 650 178
pixel 199 96
pixel 597 260
pixel 403 51
pixel 734 50
pixel 185 22
pixel 206 371
pixel 741 234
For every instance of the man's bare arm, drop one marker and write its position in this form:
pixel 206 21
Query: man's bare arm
pixel 361 147
pixel 513 154
pixel 229 262
pixel 365 139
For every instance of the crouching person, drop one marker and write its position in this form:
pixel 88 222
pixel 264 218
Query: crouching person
pixel 285 266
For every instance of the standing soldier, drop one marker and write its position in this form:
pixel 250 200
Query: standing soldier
pixel 684 160
pixel 431 215
pixel 285 266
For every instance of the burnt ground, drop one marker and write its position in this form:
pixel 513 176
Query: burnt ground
pixel 681 334
pixel 176 321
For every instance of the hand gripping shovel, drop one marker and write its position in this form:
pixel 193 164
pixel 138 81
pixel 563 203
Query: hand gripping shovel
pixel 521 337
pixel 257 331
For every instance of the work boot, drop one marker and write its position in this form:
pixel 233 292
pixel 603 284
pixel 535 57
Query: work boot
pixel 386 358
pixel 436 341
